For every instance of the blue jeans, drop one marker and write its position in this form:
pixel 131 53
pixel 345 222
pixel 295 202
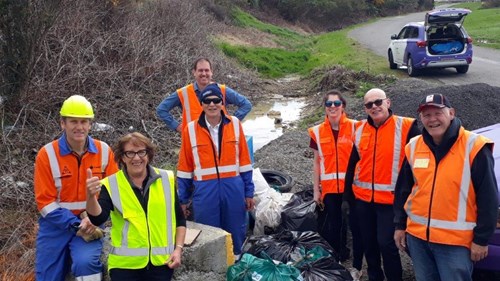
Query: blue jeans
pixel 439 262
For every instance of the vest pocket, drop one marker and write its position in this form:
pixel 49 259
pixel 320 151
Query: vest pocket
pixel 326 146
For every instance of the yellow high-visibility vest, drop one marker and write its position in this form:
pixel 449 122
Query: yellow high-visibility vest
pixel 137 237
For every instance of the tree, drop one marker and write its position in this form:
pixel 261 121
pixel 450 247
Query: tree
pixel 23 24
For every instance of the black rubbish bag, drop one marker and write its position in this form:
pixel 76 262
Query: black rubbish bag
pixel 284 245
pixel 325 268
pixel 299 214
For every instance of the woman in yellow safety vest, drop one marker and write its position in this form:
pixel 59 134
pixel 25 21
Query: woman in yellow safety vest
pixel 149 227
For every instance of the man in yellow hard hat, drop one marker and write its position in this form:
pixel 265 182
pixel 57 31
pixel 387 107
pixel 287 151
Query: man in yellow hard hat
pixel 60 191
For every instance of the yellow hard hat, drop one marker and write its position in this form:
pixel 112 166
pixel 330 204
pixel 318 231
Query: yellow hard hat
pixel 78 107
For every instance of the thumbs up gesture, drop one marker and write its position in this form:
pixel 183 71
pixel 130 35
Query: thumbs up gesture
pixel 93 184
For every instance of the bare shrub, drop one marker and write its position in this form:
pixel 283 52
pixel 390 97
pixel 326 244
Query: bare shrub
pixel 125 59
pixel 490 4
pixel 345 80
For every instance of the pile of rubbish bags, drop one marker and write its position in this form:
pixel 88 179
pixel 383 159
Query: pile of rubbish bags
pixel 286 244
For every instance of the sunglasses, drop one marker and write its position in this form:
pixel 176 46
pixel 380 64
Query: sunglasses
pixel 132 154
pixel 377 102
pixel 335 103
pixel 209 101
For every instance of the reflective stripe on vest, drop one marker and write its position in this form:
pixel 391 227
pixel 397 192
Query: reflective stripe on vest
pixel 187 105
pixel 200 172
pixel 125 250
pixel 460 223
pixel 395 157
pixel 56 175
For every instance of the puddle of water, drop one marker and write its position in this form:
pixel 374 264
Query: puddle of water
pixel 260 122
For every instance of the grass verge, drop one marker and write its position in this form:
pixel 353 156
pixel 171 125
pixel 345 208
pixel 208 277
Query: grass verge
pixel 300 54
pixel 483 25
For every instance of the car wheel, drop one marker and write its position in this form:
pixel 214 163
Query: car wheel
pixel 278 180
pixel 392 65
pixel 462 69
pixel 412 72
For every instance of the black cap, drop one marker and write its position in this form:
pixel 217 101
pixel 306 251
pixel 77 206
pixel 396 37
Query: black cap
pixel 437 100
pixel 211 90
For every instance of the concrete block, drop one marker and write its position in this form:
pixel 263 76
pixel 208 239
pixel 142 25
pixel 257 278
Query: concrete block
pixel 206 259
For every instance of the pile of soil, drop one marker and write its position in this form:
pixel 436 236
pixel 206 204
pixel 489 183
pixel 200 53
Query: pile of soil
pixel 476 105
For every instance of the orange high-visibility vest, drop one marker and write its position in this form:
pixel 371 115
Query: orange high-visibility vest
pixel 443 200
pixel 191 107
pixel 334 155
pixel 198 158
pixel 381 153
pixel 60 180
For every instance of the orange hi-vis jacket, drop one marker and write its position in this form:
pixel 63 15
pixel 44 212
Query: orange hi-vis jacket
pixel 381 152
pixel 442 205
pixel 198 158
pixel 60 176
pixel 333 154
pixel 191 107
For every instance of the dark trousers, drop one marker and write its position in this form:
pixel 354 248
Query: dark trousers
pixel 377 231
pixel 357 242
pixel 149 273
pixel 332 231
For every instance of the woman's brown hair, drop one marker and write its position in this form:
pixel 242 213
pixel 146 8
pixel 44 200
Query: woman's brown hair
pixel 135 138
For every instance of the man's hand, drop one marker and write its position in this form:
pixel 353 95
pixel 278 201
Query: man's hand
pixel 179 129
pixel 185 210
pixel 174 260
pixel 400 239
pixel 478 252
pixel 86 227
pixel 250 203
pixel 93 184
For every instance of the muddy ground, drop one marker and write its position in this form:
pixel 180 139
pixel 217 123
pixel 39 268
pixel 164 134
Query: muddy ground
pixel 477 105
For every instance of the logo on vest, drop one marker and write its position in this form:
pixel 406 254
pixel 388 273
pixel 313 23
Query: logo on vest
pixel 65 172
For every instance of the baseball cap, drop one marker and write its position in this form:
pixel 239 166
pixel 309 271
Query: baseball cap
pixel 211 90
pixel 436 100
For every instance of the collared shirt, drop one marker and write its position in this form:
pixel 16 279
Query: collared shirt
pixel 214 133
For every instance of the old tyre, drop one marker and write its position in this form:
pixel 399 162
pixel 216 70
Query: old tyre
pixel 278 180
pixel 392 65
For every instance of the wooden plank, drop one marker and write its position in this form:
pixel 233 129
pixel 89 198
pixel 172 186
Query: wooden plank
pixel 191 235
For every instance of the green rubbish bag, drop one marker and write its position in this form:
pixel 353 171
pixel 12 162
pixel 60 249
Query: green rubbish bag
pixel 251 268
pixel 310 256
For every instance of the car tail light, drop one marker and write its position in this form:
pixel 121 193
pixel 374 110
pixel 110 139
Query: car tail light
pixel 469 40
pixel 421 44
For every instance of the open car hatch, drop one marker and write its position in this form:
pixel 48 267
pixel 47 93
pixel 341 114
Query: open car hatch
pixel 446 16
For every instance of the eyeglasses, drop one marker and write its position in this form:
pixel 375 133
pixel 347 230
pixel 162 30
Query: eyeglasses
pixel 335 103
pixel 377 102
pixel 209 101
pixel 132 154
